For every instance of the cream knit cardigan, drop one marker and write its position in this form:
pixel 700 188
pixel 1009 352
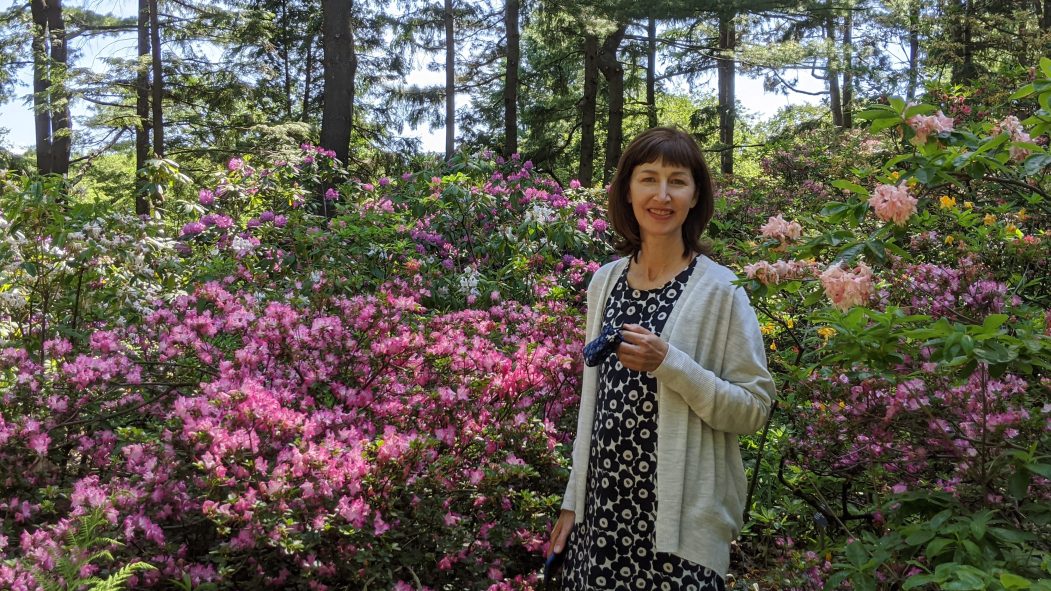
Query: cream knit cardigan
pixel 712 386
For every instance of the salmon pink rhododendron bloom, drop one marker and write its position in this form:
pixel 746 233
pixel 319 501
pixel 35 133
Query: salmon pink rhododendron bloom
pixel 925 125
pixel 847 288
pixel 776 227
pixel 893 203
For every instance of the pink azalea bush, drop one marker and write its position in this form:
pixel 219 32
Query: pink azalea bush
pixel 306 401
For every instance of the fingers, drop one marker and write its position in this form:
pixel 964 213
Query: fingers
pixel 560 533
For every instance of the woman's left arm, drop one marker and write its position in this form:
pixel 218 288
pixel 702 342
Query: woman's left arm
pixel 737 400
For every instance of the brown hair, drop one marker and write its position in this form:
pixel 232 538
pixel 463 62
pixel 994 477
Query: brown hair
pixel 671 146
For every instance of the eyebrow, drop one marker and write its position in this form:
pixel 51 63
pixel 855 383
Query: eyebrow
pixel 654 171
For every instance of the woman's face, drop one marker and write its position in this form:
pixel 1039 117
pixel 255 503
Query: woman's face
pixel 661 195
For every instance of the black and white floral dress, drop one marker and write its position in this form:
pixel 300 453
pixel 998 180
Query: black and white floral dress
pixel 613 548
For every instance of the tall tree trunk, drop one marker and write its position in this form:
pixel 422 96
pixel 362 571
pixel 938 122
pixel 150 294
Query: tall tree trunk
pixel 1045 18
pixel 340 64
pixel 158 80
pixel 61 121
pixel 450 82
pixel 511 78
pixel 847 94
pixel 651 72
pixel 41 88
pixel 588 107
pixel 727 93
pixel 914 47
pixel 50 99
pixel 832 73
pixel 612 70
pixel 961 32
pixel 286 66
pixel 309 81
pixel 142 106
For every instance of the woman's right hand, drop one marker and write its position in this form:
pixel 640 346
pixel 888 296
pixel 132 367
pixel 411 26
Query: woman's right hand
pixel 560 533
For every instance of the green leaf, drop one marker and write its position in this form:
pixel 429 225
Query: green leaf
pixel 1023 92
pixel 1011 581
pixel 856 554
pixel 881 124
pixel 849 186
pixel 1018 484
pixel 937 546
pixel 920 538
pixel 1045 67
pixel 1041 469
pixel 1036 163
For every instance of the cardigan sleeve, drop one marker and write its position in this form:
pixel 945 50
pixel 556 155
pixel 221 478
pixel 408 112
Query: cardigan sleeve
pixel 594 312
pixel 738 399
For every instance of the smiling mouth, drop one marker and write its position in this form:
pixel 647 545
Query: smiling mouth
pixel 661 212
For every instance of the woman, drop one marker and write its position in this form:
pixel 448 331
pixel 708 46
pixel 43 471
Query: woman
pixel 657 489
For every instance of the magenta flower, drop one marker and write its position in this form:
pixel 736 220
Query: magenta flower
pixel 206 197
pixel 193 228
pixel 235 164
pixel 331 194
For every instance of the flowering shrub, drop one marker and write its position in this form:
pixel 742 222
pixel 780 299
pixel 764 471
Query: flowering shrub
pixel 293 392
pixel 910 317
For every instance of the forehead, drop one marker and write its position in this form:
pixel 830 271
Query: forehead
pixel 662 166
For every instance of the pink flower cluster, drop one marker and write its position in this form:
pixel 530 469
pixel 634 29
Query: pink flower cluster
pixel 780 271
pixel 847 288
pixel 304 439
pixel 777 228
pixel 1013 126
pixel 893 203
pixel 925 125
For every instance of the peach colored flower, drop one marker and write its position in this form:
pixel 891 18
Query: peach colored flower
pixel 893 203
pixel 924 125
pixel 776 227
pixel 847 288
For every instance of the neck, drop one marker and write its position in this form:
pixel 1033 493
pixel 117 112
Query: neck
pixel 657 256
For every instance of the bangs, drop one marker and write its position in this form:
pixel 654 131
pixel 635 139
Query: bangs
pixel 672 151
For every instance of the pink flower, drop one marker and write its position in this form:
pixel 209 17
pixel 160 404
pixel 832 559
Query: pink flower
pixel 925 125
pixel 235 164
pixel 574 184
pixel 599 226
pixel 39 443
pixel 193 228
pixel 847 288
pixel 1013 126
pixel 331 194
pixel 893 203
pixel 776 227
pixel 206 197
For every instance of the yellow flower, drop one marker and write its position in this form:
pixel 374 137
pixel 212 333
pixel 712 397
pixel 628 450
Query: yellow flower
pixel 773 346
pixel 842 405
pixel 968 205
pixel 946 202
pixel 768 328
pixel 1022 215
pixel 894 175
pixel 989 219
pixel 949 239
pixel 826 332
pixel 790 323
pixel 1012 230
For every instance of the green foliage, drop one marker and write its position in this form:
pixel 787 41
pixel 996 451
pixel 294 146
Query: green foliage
pixel 85 546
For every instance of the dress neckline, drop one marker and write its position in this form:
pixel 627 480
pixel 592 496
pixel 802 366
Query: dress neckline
pixel 681 277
